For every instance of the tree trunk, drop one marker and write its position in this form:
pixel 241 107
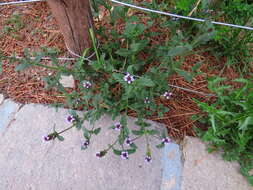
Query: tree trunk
pixel 74 18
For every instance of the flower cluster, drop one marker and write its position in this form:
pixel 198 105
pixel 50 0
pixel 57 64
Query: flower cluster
pixel 167 95
pixel 87 84
pixel 129 78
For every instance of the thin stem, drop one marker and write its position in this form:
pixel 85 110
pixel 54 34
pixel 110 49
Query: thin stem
pixel 66 129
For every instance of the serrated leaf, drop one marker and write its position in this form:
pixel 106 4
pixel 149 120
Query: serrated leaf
pixel 179 50
pixel 22 66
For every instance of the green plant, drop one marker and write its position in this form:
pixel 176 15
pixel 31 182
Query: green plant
pixel 13 25
pixel 233 43
pixel 122 77
pixel 231 122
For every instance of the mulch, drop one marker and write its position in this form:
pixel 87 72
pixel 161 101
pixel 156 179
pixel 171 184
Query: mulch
pixel 40 29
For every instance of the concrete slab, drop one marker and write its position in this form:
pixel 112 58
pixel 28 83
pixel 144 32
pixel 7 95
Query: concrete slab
pixel 30 163
pixel 8 110
pixel 208 171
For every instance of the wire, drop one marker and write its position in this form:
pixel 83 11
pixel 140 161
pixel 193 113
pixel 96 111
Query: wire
pixel 148 10
pixel 20 2
pixel 180 16
pixel 193 91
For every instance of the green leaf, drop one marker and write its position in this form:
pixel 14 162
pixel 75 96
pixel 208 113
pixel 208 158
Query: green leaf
pixel 96 131
pixel 60 138
pixel 135 132
pixel 124 52
pixel 131 151
pixel 1 67
pixel 180 50
pixel 143 81
pixel 152 132
pixel 160 145
pixel 212 119
pixel 117 152
pixel 245 123
pixel 22 66
pixel 187 76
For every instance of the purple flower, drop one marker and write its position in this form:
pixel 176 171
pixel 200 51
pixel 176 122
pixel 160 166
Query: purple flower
pixel 128 78
pixel 117 126
pixel 47 138
pixel 146 100
pixel 70 118
pixel 101 154
pixel 86 144
pixel 124 155
pixel 86 84
pixel 166 140
pixel 128 141
pixel 148 159
pixel 167 95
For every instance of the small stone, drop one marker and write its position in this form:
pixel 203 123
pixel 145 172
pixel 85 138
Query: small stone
pixel 1 98
pixel 67 81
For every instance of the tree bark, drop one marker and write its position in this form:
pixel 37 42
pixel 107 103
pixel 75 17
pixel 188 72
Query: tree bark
pixel 74 18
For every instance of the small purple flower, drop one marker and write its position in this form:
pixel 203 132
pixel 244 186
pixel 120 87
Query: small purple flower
pixel 86 144
pixel 117 126
pixel 167 95
pixel 128 141
pixel 146 100
pixel 47 138
pixel 129 78
pixel 70 118
pixel 148 159
pixel 124 155
pixel 98 154
pixel 87 84
pixel 166 140
pixel 101 154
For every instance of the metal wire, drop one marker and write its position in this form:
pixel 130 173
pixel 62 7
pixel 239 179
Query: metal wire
pixel 180 16
pixel 148 10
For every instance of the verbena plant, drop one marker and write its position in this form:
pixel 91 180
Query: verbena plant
pixel 128 72
pixel 231 123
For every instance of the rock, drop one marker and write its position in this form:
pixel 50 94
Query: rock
pixel 34 164
pixel 209 171
pixel 67 81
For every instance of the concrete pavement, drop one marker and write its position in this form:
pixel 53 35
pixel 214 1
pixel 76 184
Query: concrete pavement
pixel 29 163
